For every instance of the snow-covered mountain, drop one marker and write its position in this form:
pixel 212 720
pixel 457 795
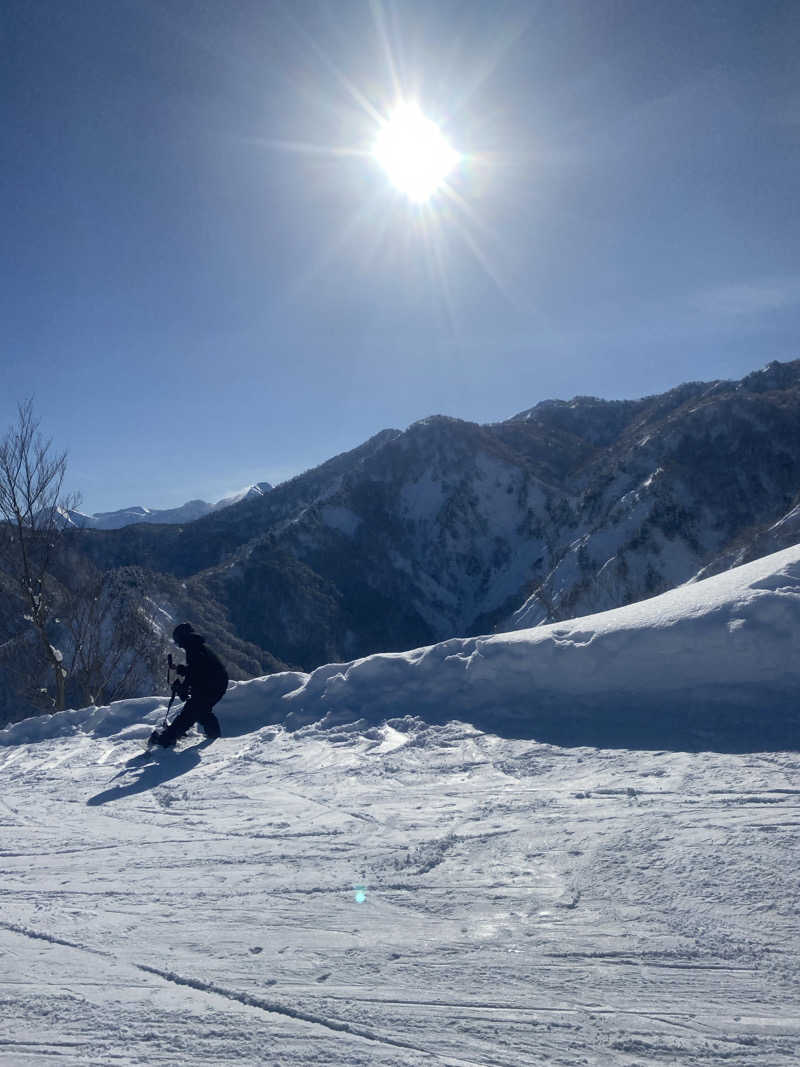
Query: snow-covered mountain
pixel 678 481
pixel 571 844
pixel 188 512
pixel 450 528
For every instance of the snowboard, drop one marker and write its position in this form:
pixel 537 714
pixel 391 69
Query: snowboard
pixel 180 745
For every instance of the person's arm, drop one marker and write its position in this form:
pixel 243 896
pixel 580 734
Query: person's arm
pixel 186 671
pixel 194 668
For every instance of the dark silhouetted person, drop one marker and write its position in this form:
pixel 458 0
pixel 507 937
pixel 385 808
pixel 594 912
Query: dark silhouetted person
pixel 204 683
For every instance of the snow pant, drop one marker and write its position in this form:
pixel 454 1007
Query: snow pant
pixel 196 709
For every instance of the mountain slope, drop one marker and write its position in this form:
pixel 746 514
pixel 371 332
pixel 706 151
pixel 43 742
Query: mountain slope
pixel 680 484
pixel 588 505
pixel 451 528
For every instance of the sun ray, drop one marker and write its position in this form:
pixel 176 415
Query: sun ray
pixel 510 34
pixel 459 201
pixel 379 18
pixel 492 271
pixel 438 274
pixel 307 148
pixel 353 90
pixel 336 244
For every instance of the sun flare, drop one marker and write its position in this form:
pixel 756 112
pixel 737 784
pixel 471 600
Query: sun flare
pixel 414 153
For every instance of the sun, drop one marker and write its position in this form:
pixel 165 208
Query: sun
pixel 414 153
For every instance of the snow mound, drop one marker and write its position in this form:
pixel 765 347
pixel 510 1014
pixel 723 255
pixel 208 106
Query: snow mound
pixel 711 664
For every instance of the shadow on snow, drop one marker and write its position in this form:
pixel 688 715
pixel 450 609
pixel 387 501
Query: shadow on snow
pixel 155 768
pixel 735 723
pixel 687 725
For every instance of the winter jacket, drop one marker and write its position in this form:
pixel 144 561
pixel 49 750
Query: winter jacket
pixel 205 672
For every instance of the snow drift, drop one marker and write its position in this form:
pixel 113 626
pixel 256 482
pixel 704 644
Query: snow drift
pixel 711 664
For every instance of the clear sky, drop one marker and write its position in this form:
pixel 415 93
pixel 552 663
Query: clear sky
pixel 208 280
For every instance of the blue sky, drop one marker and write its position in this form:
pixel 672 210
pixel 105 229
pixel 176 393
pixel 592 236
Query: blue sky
pixel 208 281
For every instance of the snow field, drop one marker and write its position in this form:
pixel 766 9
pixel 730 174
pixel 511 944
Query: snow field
pixel 389 862
pixel 522 904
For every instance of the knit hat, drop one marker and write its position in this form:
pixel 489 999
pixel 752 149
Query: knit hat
pixel 181 632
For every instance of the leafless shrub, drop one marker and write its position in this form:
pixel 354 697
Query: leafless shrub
pixel 32 508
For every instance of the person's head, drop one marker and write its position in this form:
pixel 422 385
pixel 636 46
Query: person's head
pixel 182 633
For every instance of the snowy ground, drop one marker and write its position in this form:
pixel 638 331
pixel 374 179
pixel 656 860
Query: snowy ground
pixel 349 877
pixel 522 904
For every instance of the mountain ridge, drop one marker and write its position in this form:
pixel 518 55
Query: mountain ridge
pixel 187 512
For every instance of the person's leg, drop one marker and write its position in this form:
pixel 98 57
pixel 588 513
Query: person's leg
pixel 180 725
pixel 206 717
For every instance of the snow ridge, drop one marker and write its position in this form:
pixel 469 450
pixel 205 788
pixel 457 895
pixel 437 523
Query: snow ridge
pixel 711 663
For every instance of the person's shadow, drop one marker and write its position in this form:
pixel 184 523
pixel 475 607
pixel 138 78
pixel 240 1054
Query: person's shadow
pixel 155 768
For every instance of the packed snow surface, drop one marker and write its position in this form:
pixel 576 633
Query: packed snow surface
pixel 365 870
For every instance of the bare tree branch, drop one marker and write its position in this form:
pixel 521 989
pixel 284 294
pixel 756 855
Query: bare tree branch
pixel 31 505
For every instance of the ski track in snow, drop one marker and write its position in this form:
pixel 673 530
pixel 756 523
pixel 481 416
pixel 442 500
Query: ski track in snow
pixel 522 903
pixel 247 999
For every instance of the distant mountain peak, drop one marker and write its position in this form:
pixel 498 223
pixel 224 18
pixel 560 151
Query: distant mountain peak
pixel 773 376
pixel 188 512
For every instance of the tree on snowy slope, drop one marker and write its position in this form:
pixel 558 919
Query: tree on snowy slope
pixel 69 633
pixel 32 506
pixel 112 647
